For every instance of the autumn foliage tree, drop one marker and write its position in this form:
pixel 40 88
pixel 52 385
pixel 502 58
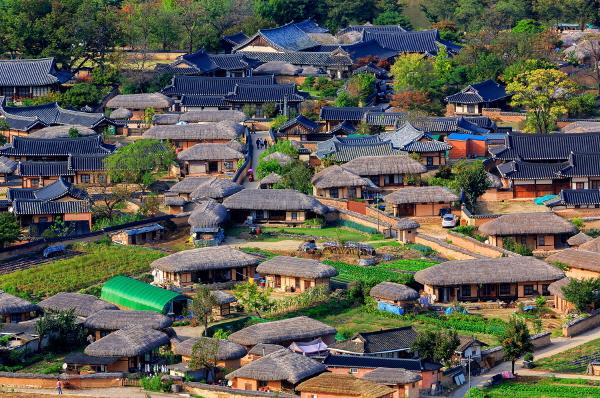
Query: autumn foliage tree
pixel 411 100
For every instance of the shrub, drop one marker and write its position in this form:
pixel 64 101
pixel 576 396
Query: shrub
pixel 511 245
pixel 577 222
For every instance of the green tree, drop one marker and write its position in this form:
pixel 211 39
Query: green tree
pixel 4 127
pixel 202 305
pixel 471 179
pixel 436 345
pixel 81 94
pixel 149 115
pixel 582 106
pixel 513 70
pixel 296 175
pixel 360 86
pixel 10 231
pixel 544 93
pixel 73 132
pixel 204 356
pixel 515 340
pixel 253 298
pixel 529 26
pixel 343 13
pixel 393 17
pixel 412 72
pixel 583 293
pixel 344 99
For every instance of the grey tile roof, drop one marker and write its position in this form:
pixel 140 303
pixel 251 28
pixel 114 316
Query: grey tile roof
pixel 23 146
pixel 397 339
pixel 521 170
pixel 300 120
pixel 332 113
pixel 384 118
pixel 289 37
pixel 45 169
pixel 372 28
pixel 483 92
pixel 7 166
pixel 52 113
pixel 236 38
pixel 576 197
pixel 215 86
pixel 551 147
pixel 198 101
pixel 29 207
pixel 264 93
pixel 356 361
pixel 31 72
pixel 303 58
pixel 424 41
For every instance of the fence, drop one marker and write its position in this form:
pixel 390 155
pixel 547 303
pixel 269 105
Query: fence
pixel 34 380
pixel 582 324
pixel 466 242
pixel 240 174
pixel 210 391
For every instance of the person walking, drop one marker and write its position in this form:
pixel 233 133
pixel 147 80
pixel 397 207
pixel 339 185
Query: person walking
pixel 59 386
pixel 258 143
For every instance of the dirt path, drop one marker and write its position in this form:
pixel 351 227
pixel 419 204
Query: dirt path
pixel 114 392
pixel 282 245
pixel 263 135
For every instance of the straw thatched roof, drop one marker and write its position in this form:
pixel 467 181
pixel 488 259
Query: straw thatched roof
pixel 83 304
pixel 121 114
pixel 296 267
pixel 392 376
pixel 199 132
pixel 208 214
pixel 7 166
pixel 222 297
pixel 337 176
pixel 344 385
pixel 140 101
pixel 274 199
pixel 555 288
pixel 527 223
pixel 489 270
pixel 272 178
pixel 281 158
pixel 10 304
pixel 283 331
pixel 114 320
pixel 592 245
pixel 407 223
pixel 166 118
pixel 394 292
pixel 205 258
pixel 280 365
pixel 215 188
pixel 381 165
pixel 577 258
pixel 263 349
pixel 61 131
pixel 133 341
pixel 420 195
pixel 579 239
pixel 226 349
pixel 238 146
pixel 277 68
pixel 209 152
pixel 188 184
pixel 213 116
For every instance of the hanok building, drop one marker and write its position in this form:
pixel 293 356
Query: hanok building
pixel 292 274
pixel 205 116
pixel 296 65
pixel 388 343
pixel 86 170
pixel 395 295
pixel 574 199
pixel 506 278
pixel 282 370
pixel 180 196
pixel 387 172
pixel 579 263
pixel 419 201
pixel 205 64
pixel 207 222
pixel 7 168
pixel 187 135
pixel 40 207
pixel 285 97
pixel 15 309
pixel 284 332
pixel 281 206
pixel 432 153
pixel 134 106
pixel 83 305
pixel 27 78
pixel 472 99
pixel 338 183
pixel 299 128
pixel 405 383
pixel 332 116
pixel 345 149
pixel 342 386
pixel 536 231
pixel 426 42
pixel 206 265
pixel 209 159
pixel 228 354
pixel 269 181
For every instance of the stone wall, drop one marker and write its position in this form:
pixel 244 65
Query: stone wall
pixel 466 242
pixel 541 340
pixel 498 115
pixel 210 391
pixel 33 380
pixel 445 249
pixel 583 324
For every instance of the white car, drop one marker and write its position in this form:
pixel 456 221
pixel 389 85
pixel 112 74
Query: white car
pixel 449 220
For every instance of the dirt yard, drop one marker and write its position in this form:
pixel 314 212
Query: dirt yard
pixel 507 207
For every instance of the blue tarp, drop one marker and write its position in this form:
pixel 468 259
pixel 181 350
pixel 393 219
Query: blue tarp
pixel 540 201
pixel 394 309
pixel 451 310
pixel 464 137
pixel 53 249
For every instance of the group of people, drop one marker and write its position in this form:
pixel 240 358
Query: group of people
pixel 261 144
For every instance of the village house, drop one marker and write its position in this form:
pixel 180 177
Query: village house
pixel 281 206
pixel 387 172
pixel 293 274
pixel 342 386
pixel 561 304
pixel 259 351
pixel 281 370
pixel 419 201
pixel 469 146
pixel 569 199
pixel 344 149
pixel 206 265
pixel 15 309
pixel 134 294
pixel 403 382
pixel 269 181
pixel 205 64
pixel 332 116
pixel 299 128
pixel 338 183
pixel 396 295
pixel 62 131
pixel 181 195
pixel 469 350
pixel 359 366
pixel 86 170
pixel 132 108
pixel 579 263
pixel 295 66
pixel 206 223
pixel 23 338
pixel 536 231
pixel 27 78
pixel 472 99
pixel 203 159
pixel 408 138
pixel 506 278
pixel 103 322
pixel 187 135
pixel 133 348
pixel 142 235
pixel 387 343
pixel 284 332
pixel 204 116
pixel 578 239
pixel 416 42
pixel 223 301
pixel 83 305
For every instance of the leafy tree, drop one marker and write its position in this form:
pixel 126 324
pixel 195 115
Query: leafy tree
pixel 149 115
pixel 471 179
pixel 4 127
pixel 436 345
pixel 58 229
pixel 345 99
pixel 10 231
pixel 582 106
pixel 204 356
pixel 150 206
pixel 591 45
pixel 73 132
pixel 296 175
pixel 81 94
pixel 584 293
pixel 61 328
pixel 110 199
pixel 412 72
pixel 252 298
pixel 516 340
pixel 343 13
pixel 528 26
pixel 361 86
pixel 411 100
pixel 284 11
pixel 269 109
pixel 544 93
pixel 202 305
pixel 512 71
pixel 393 17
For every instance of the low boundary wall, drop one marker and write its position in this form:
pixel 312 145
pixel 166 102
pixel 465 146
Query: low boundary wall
pixel 582 324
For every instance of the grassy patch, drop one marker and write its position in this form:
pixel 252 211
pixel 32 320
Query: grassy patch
pixel 570 361
pixel 399 271
pixel 46 364
pixel 264 253
pixel 337 233
pixel 541 389
pixel 99 263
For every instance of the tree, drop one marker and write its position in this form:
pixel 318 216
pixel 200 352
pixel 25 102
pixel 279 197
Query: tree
pixel 81 94
pixel 591 46
pixel 511 72
pixel 516 340
pixel 204 356
pixel 252 298
pixel 530 26
pixel 583 294
pixel 411 100
pixel 10 231
pixel 60 327
pixel 360 87
pixel 436 345
pixel 4 127
pixel 110 199
pixel 344 99
pixel 471 179
pixel 412 72
pixel 393 17
pixel 296 175
pixel 582 106
pixel 202 305
pixel 544 93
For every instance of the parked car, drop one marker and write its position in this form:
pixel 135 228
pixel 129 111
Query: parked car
pixel 449 220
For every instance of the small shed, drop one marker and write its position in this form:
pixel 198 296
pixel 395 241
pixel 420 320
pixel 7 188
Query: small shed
pixel 407 230
pixel 137 295
pixel 206 223
pixel 228 353
pixel 15 309
pixel 269 181
pixel 293 274
pixel 395 294
pixel 141 235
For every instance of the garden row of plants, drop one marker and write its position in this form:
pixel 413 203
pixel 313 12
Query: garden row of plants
pixel 522 390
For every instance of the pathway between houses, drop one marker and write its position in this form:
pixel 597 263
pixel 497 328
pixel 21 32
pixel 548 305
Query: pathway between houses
pixel 114 392
pixel 558 345
pixel 263 135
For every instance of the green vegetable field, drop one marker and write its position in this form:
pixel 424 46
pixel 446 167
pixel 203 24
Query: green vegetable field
pixel 537 390
pixel 390 271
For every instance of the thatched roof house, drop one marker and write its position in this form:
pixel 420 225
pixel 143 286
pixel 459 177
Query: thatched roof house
pixel 337 177
pixel 275 200
pixel 208 216
pixel 277 68
pixel 262 349
pixel 527 223
pixel 84 305
pixel 216 188
pixel 579 239
pixel 204 259
pixel 15 309
pixel 188 184
pixel 581 263
pixel 284 332
pixel 226 349
pixel 204 116
pixel 221 131
pixel 115 320
pixel 270 180
pixel 222 297
pixel 133 341
pixel 281 158
pixel 343 385
pixel 391 376
pixel 121 114
pixel 411 195
pixel 404 224
pixel 61 131
pixel 385 165
pixel 283 365
pixel 296 267
pixel 592 245
pixel 394 292
pixel 555 288
pixel 140 101
pixel 209 151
